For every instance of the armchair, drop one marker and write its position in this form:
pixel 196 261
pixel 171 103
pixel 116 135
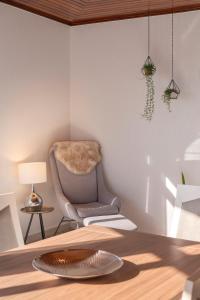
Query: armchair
pixel 81 195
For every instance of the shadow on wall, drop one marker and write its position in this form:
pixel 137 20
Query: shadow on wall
pixel 146 183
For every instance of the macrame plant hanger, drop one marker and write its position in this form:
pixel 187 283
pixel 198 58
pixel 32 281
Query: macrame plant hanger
pixel 148 70
pixel 172 91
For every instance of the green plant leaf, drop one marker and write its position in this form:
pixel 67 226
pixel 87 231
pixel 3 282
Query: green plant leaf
pixel 182 178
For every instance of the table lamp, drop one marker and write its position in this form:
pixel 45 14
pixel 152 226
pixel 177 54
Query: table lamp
pixel 32 173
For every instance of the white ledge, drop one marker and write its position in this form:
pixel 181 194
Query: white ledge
pixel 8 200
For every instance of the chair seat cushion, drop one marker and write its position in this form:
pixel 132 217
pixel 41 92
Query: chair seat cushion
pixel 95 209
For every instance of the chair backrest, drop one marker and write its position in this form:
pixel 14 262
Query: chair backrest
pixel 192 287
pixel 77 188
pixel 76 165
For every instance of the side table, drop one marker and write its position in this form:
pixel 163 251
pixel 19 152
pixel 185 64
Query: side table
pixel 28 210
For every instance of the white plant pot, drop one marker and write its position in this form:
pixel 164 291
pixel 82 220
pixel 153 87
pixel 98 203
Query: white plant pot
pixel 187 193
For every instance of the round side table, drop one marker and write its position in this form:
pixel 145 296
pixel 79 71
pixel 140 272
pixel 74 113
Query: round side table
pixel 43 210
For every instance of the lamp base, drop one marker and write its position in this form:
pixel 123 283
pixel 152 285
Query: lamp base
pixel 34 201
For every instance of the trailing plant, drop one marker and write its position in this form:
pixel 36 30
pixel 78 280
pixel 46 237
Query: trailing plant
pixel 148 70
pixel 167 98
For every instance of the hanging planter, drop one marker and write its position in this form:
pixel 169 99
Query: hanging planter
pixel 148 70
pixel 171 93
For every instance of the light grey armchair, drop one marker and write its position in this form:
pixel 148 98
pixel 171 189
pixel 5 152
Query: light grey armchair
pixel 81 196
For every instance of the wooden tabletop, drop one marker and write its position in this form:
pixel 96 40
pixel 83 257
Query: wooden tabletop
pixel 155 267
pixel 43 210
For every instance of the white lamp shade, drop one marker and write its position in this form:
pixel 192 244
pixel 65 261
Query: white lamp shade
pixel 30 173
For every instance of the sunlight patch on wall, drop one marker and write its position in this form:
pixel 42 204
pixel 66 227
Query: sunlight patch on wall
pixel 147 196
pixel 169 214
pixel 175 221
pixel 172 212
pixel 148 160
pixel 171 187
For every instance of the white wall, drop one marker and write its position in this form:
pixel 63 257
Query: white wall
pixel 142 160
pixel 34 98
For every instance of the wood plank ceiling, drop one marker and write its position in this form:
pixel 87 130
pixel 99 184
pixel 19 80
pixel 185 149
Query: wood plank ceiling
pixel 76 12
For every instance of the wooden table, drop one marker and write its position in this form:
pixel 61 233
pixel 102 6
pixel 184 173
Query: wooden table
pixel 155 267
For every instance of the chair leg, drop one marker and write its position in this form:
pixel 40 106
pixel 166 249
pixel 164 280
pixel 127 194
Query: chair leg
pixel 28 229
pixel 59 225
pixel 42 226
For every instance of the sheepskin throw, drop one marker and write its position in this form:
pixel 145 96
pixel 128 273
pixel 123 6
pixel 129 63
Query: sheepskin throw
pixel 79 157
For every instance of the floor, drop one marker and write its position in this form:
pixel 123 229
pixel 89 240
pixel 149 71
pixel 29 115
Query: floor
pixel 65 227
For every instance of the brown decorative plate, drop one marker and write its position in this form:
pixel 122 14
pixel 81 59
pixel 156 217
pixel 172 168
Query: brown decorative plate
pixel 78 263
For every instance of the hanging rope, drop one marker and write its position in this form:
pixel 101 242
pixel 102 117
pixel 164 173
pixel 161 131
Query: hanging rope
pixel 148 33
pixel 172 92
pixel 148 70
pixel 172 39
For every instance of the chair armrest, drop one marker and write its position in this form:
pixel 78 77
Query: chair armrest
pixel 108 198
pixel 67 208
pixel 104 195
